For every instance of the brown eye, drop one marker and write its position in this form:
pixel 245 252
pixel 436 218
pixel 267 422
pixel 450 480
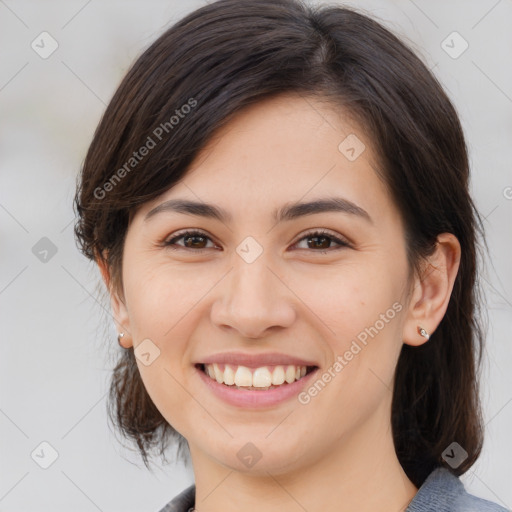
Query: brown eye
pixel 319 242
pixel 198 241
pixel 322 240
pixel 195 240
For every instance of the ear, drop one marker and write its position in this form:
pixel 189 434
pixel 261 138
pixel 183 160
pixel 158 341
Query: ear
pixel 432 290
pixel 119 310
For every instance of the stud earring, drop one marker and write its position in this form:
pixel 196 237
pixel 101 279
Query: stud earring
pixel 120 336
pixel 423 332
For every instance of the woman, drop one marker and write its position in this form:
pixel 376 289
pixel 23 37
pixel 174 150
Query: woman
pixel 277 199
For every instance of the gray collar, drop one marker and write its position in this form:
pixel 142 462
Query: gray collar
pixel 442 491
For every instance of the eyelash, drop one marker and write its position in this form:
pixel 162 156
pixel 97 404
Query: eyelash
pixel 170 243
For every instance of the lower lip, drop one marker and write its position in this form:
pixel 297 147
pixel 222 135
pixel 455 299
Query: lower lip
pixel 252 398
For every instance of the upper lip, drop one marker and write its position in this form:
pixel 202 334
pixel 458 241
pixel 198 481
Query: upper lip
pixel 256 360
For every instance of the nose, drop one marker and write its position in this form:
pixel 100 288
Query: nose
pixel 253 301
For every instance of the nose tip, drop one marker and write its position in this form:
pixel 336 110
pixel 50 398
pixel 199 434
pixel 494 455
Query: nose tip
pixel 252 301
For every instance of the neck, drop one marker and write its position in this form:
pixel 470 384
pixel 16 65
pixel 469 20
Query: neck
pixel 359 472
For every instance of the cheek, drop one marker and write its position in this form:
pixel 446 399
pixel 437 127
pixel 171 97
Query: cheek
pixel 350 296
pixel 158 295
pixel 358 312
pixel 161 309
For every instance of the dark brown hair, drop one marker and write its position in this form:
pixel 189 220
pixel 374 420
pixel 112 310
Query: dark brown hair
pixel 230 54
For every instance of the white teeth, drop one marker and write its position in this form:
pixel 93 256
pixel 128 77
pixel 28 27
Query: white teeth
pixel 243 376
pixel 278 376
pixel 290 374
pixel 263 377
pixel 219 376
pixel 229 375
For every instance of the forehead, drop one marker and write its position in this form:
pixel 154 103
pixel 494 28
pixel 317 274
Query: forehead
pixel 282 149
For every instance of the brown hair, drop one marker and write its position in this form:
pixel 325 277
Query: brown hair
pixel 230 54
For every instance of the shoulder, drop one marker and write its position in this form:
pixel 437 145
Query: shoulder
pixel 182 502
pixel 442 491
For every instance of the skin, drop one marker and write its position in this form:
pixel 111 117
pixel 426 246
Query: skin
pixel 336 452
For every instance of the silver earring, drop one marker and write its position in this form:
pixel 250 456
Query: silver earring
pixel 119 337
pixel 423 332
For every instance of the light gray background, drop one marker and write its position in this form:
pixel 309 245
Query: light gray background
pixel 57 340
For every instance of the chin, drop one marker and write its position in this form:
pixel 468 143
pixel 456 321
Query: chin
pixel 259 455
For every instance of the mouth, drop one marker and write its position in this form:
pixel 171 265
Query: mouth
pixel 263 378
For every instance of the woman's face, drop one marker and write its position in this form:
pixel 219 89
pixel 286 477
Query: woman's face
pixel 259 281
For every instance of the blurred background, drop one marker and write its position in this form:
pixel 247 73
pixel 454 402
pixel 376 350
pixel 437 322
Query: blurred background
pixel 61 63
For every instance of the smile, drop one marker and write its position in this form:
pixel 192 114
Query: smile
pixel 259 379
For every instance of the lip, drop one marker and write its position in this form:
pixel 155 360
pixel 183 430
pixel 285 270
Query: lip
pixel 256 360
pixel 253 399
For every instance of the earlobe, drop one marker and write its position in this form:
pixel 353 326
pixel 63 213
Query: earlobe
pixel 118 307
pixel 432 291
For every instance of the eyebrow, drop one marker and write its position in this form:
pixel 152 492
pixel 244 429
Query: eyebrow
pixel 286 213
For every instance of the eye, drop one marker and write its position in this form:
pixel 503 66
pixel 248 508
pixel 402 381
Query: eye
pixel 197 240
pixel 321 240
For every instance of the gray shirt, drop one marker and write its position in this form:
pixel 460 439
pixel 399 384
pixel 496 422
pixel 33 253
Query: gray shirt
pixel 442 491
